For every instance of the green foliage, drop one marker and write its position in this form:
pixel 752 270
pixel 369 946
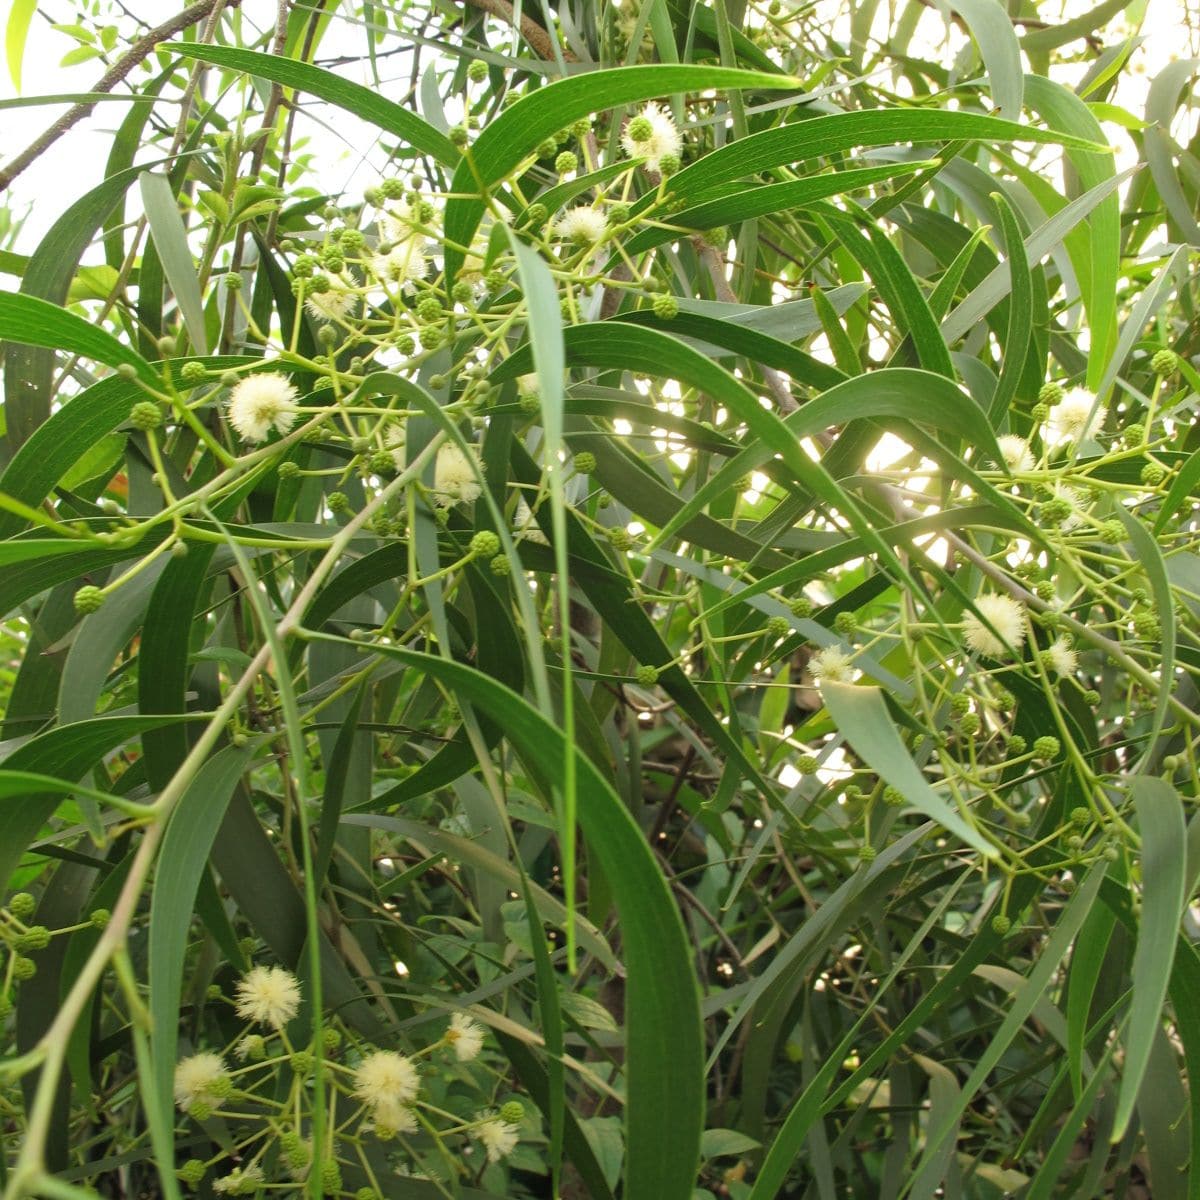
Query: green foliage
pixel 645 646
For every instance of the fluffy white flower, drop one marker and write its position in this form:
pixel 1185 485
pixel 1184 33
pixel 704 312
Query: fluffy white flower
pixel 1069 419
pixel 1060 658
pixel 454 477
pixel 831 665
pixel 526 526
pixel 1015 453
pixel 652 135
pixel 465 1036
pixel 241 1181
pixel 395 440
pixel 200 1079
pixel 391 1118
pixel 386 1080
pixel 260 402
pixel 499 1138
pixel 582 224
pixel 335 304
pixel 1005 615
pixel 405 262
pixel 268 995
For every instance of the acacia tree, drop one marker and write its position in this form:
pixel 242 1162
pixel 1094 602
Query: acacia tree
pixel 646 647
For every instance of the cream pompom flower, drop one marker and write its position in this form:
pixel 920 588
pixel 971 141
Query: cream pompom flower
pixel 268 995
pixel 582 224
pixel 465 1036
pixel 200 1080
pixel 405 262
pixel 525 524
pixel 334 304
pixel 1072 420
pixel 1005 615
pixel 498 1137
pixel 386 1081
pixel 455 477
pixel 652 135
pixel 831 665
pixel 390 1118
pixel 1060 657
pixel 241 1181
pixel 261 402
pixel 1015 453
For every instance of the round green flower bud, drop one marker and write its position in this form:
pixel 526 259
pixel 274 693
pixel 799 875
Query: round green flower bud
pixel 1164 362
pixel 1153 474
pixel 145 415
pixel 584 462
pixel 193 373
pixel 620 538
pixel 494 281
pixel 1080 817
pixel 23 968
pixel 462 292
pixel 867 854
pixel 1050 394
pixel 802 606
pixel 290 1141
pixel 1046 747
pixel 230 379
pixel 327 336
pixel 231 281
pixel 1044 590
pixel 1091 697
pixel 318 285
pixel 485 544
pixel 1135 436
pixel 200 1110
pixel 302 1062
pixel 127 371
pixel 331 1177
pixel 669 164
pixel 352 240
pixel 254 1046
pixel 1001 924
pixel 666 308
pixel 1146 626
pixel 580 128
pixel 778 627
pixel 1055 512
pixel 288 470
pixel 500 565
pixel 1111 853
pixel 845 623
pixel 366 1193
pixel 807 764
pixel 893 797
pixel 36 937
pixel 381 462
pixel 1022 820
pixel 331 1038
pixel 960 703
pixel 1038 413
pixel 969 724
pixel 512 1111
pixel 430 309
pixel 536 214
pixel 1075 842
pixel 333 260
pixel 22 906
pixel 305 266
pixel 617 214
pixel 166 346
pixel 566 162
pixel 89 599
pixel 529 404
pixel 640 129
pixel 1112 533
pixel 477 70
pixel 191 1172
pixel 431 337
pixel 646 676
pixel 1017 745
pixel 337 502
pixel 392 189
pixel 406 345
pixel 547 147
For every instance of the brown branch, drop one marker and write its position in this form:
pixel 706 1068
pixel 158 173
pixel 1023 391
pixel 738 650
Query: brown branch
pixel 531 31
pixel 138 52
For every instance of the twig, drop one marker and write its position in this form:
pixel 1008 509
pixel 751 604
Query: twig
pixel 531 31
pixel 138 52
